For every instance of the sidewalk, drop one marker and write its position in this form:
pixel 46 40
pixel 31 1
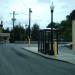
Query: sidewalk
pixel 66 55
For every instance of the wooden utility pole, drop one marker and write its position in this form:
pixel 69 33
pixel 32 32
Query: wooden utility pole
pixel 30 11
pixel 13 21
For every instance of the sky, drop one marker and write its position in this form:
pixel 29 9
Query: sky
pixel 40 11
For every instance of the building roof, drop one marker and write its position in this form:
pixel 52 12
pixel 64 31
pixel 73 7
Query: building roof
pixel 48 29
pixel 4 34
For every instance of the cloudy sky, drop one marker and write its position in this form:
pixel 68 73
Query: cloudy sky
pixel 40 11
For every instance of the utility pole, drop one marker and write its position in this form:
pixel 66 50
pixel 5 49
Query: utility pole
pixel 30 11
pixel 13 21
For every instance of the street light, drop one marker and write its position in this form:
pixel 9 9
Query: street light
pixel 52 10
pixel 30 11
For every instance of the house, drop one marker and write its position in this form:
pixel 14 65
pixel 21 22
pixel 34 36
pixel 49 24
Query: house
pixel 4 37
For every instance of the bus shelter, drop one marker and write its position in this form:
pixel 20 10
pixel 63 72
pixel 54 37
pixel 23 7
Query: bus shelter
pixel 44 41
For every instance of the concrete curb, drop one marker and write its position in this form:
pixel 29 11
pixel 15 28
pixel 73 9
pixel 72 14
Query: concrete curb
pixel 52 58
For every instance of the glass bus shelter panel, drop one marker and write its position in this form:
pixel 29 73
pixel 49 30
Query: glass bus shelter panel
pixel 40 42
pixel 44 42
pixel 48 41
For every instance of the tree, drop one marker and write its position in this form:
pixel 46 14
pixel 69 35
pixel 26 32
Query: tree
pixel 19 33
pixel 49 25
pixel 6 30
pixel 67 26
pixel 55 25
pixel 71 16
pixel 35 32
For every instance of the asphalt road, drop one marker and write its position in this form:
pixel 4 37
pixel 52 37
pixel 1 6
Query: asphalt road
pixel 16 61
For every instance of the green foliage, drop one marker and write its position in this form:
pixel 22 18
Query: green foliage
pixel 71 16
pixel 49 25
pixel 65 27
pixel 19 33
pixel 35 32
pixel 64 30
pixel 6 30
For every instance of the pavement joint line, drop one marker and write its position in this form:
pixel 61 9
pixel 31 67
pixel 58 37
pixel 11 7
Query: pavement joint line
pixel 43 55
